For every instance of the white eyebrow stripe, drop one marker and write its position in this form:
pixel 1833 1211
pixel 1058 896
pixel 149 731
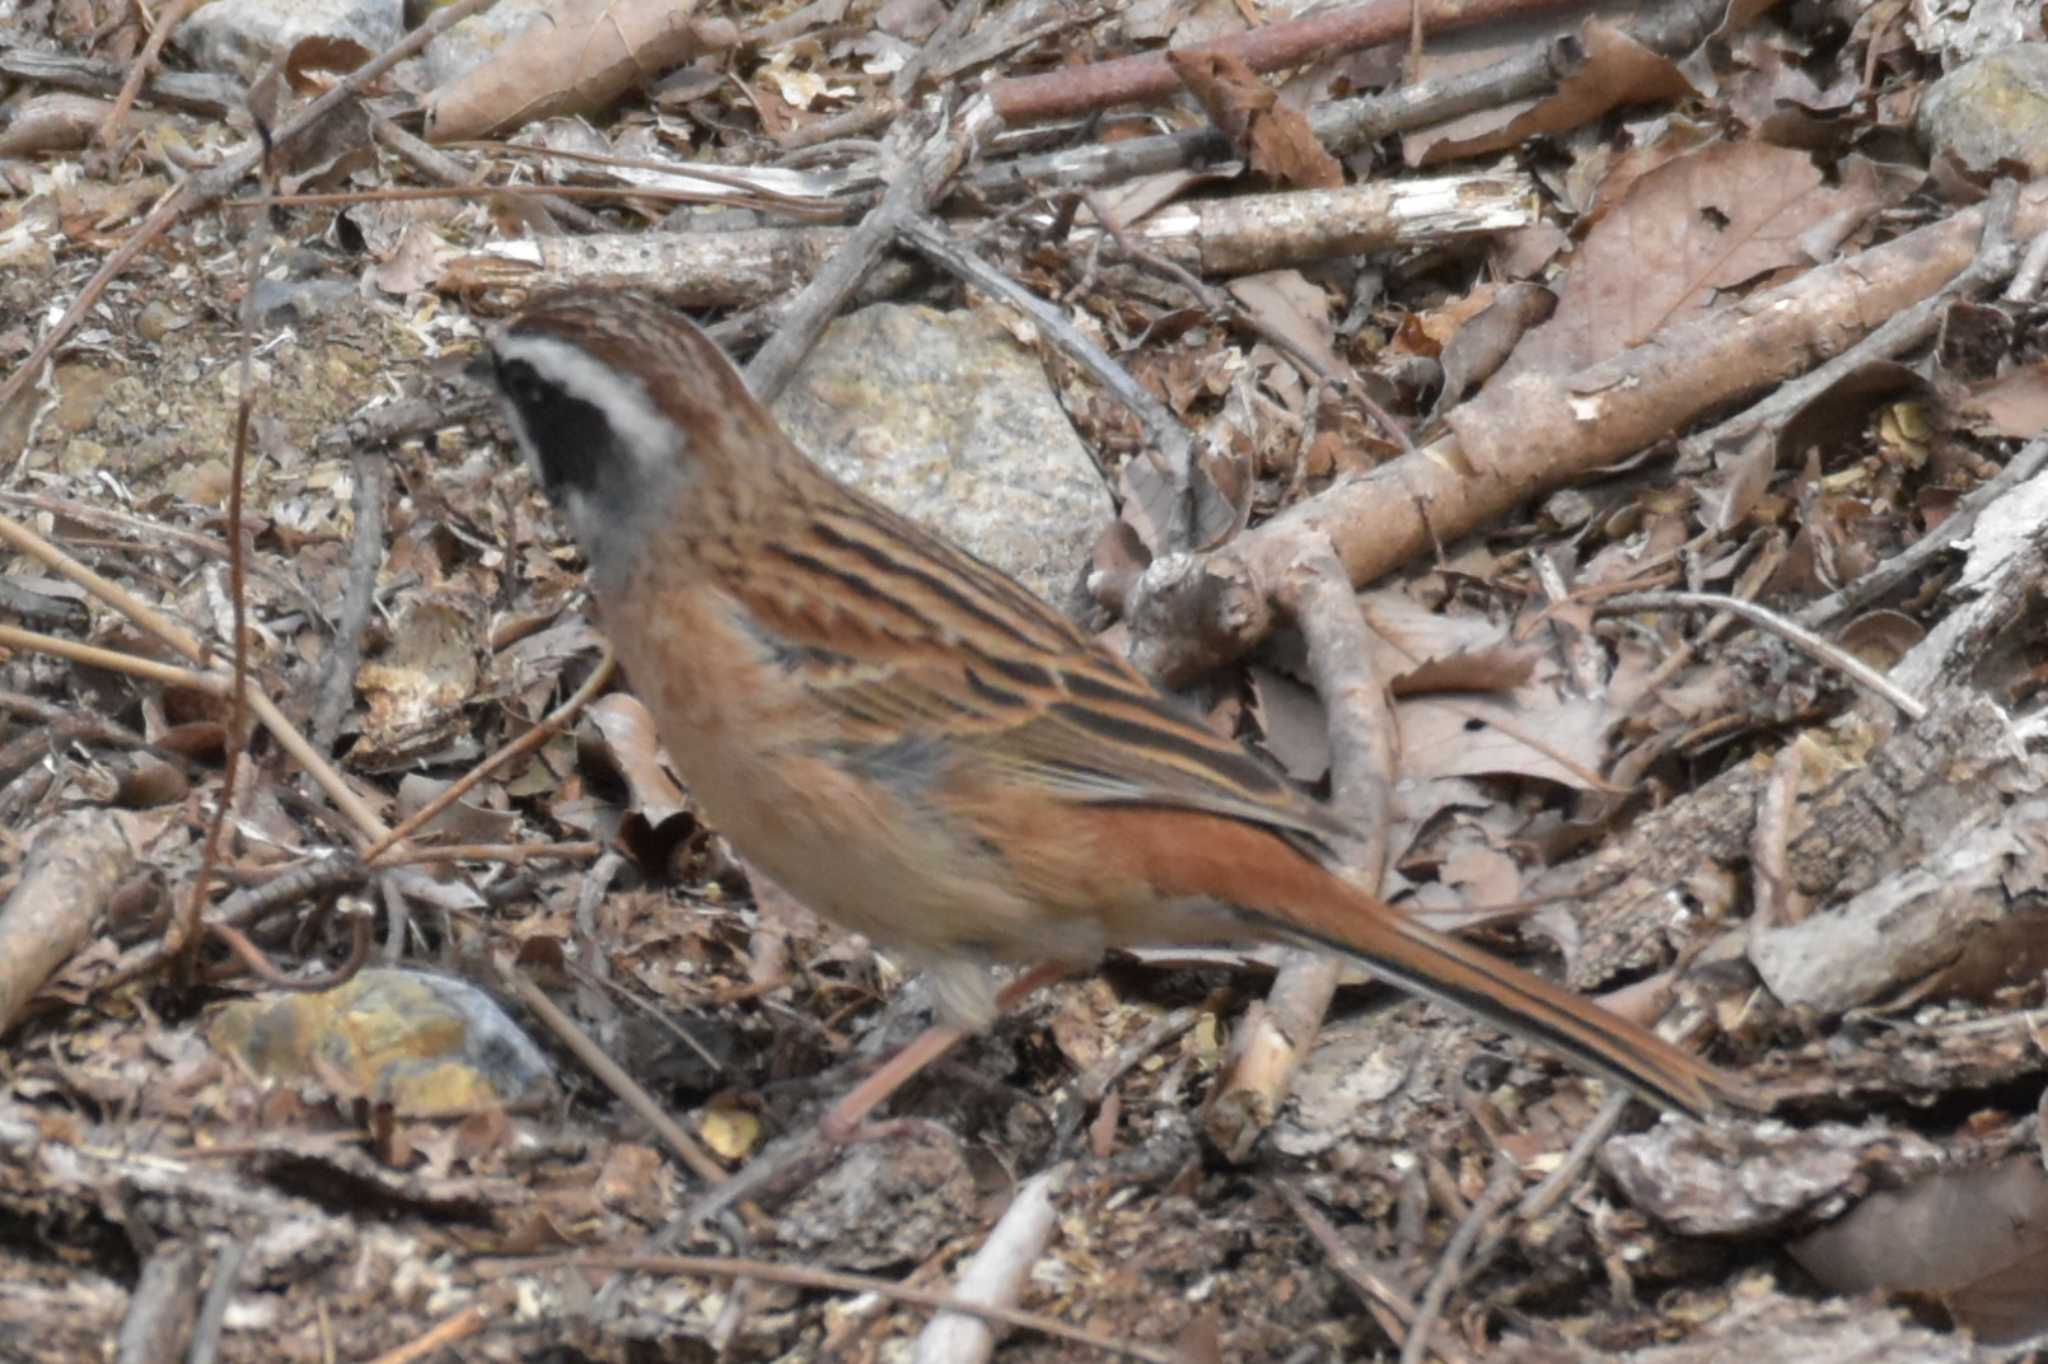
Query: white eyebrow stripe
pixel 620 396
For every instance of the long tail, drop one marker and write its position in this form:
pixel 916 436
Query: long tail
pixel 1391 944
pixel 1284 894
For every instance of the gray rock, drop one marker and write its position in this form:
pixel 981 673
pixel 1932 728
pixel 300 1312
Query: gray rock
pixel 244 36
pixel 1991 109
pixel 947 419
pixel 478 39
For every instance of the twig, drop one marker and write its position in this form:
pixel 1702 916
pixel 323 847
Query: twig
pixel 452 172
pixel 1908 562
pixel 832 1281
pixel 213 1313
pixel 1340 125
pixel 1073 90
pixel 936 48
pixel 1099 1079
pixel 244 909
pixel 912 190
pixel 1554 1187
pixel 2025 284
pixel 493 852
pixel 1558 1182
pixel 1452 1262
pixel 337 684
pixel 25 541
pixel 1812 645
pixel 185 928
pixel 1222 303
pixel 150 533
pixel 1996 258
pixel 1746 587
pixel 461 1326
pixel 211 95
pixel 1318 596
pixel 997 1274
pixel 92 656
pixel 1390 1307
pixel 172 15
pixel 55 726
pixel 1166 436
pixel 407 418
pixel 525 743
pixel 323 773
pixel 614 1077
pixel 263 968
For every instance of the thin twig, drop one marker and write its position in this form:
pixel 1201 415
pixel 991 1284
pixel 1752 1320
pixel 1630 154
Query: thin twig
pixel 525 743
pixel 287 735
pixel 1908 562
pixel 1166 436
pixel 1558 1182
pixel 1318 596
pixel 461 1326
pixel 832 1281
pixel 337 684
pixel 220 1293
pixel 1812 645
pixel 144 63
pixel 185 931
pixel 452 172
pixel 494 852
pixel 997 1273
pixel 914 186
pixel 1223 304
pixel 1996 259
pixel 1390 1307
pixel 25 541
pixel 1120 80
pixel 1451 1264
pixel 614 1076
pixel 244 909
pixel 93 656
pixel 263 968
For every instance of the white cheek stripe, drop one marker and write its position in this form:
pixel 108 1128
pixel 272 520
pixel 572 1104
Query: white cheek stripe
pixel 652 438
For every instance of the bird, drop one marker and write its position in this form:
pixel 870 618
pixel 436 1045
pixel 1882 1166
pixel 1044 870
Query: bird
pixel 915 746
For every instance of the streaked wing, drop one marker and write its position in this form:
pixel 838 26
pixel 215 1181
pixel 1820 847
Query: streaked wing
pixel 916 635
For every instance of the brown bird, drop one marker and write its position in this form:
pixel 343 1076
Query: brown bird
pixel 915 746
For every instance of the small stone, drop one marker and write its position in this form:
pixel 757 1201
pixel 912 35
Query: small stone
pixel 947 419
pixel 1992 109
pixel 158 320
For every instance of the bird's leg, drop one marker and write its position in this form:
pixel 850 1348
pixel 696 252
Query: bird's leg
pixel 848 1119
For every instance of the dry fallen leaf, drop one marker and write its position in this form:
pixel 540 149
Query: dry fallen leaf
pixel 1275 139
pixel 1977 1239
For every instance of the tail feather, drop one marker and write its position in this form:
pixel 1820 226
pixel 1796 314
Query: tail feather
pixel 1391 944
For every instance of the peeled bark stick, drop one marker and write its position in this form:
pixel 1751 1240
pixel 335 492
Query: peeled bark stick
pixel 1532 434
pixel 1077 90
pixel 1233 236
pixel 998 1273
pixel 72 871
pixel 1277 1037
pixel 163 1306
